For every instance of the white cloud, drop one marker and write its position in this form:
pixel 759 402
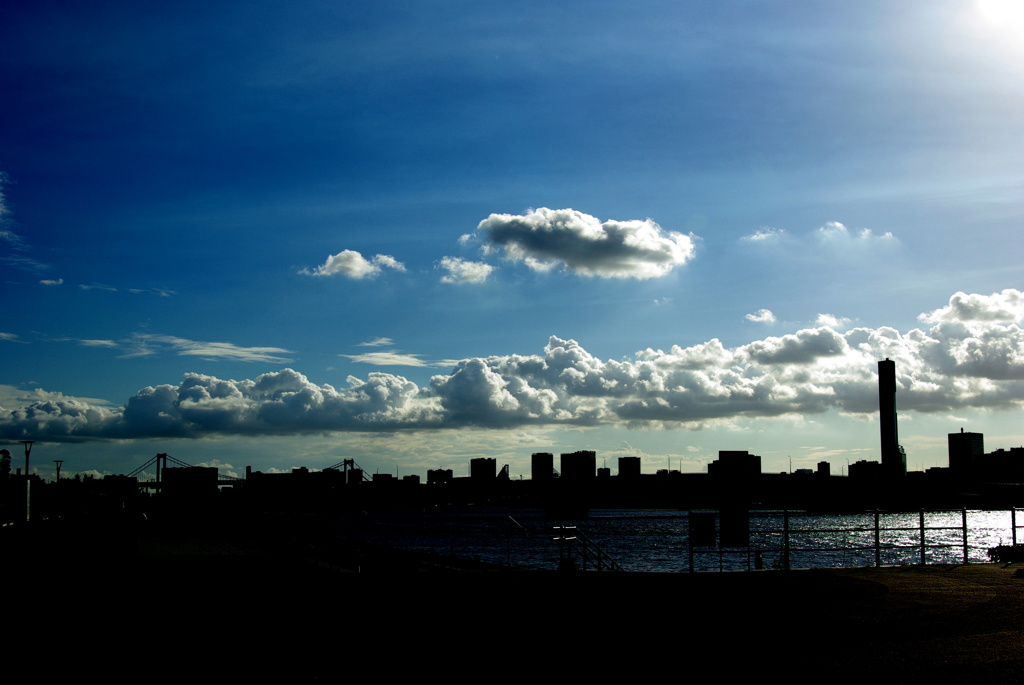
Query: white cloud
pixel 351 264
pixel 8 336
pixel 950 367
pixel 462 271
pixel 765 234
pixel 1006 306
pixel 49 281
pixel 98 343
pixel 762 316
pixel 831 321
pixel 377 342
pixel 387 359
pixel 834 232
pixel 147 344
pixel 12 241
pixel 545 238
pixel 159 292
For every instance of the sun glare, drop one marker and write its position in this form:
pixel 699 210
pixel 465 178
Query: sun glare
pixel 1004 14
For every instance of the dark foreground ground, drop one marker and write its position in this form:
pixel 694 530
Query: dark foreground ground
pixel 163 607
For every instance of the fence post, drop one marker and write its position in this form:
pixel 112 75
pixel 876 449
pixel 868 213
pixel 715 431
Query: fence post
pixel 963 518
pixel 1013 523
pixel 920 520
pixel 878 549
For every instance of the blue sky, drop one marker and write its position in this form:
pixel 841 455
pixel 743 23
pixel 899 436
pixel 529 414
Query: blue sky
pixel 413 233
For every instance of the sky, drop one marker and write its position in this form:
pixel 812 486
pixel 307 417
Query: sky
pixel 414 233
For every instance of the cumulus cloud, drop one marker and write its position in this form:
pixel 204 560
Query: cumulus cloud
pixel 761 316
pixel 546 238
pixel 968 359
pixel 1006 306
pixel 352 264
pixel 462 271
pixel 831 321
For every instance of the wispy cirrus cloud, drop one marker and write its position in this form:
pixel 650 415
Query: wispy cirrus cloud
pixel 13 247
pixel 377 342
pixel 148 344
pixel 99 343
pixel 386 358
pixel 391 357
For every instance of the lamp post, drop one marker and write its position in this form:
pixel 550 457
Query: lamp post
pixel 28 481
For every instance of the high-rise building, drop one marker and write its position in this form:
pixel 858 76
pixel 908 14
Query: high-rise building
pixel 579 466
pixel 542 466
pixel 894 460
pixel 483 468
pixel 965 451
pixel 629 467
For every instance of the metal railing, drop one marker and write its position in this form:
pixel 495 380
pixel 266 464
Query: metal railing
pixel 573 543
pixel 923 534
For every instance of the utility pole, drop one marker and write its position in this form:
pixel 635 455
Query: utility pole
pixel 28 481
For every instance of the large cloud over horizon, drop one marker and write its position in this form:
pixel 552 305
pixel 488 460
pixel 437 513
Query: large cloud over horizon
pixel 973 357
pixel 545 238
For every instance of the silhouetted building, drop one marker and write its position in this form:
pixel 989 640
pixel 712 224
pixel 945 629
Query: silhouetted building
pixel 629 467
pixel 894 460
pixel 865 470
pixel 437 476
pixel 1002 466
pixel 824 469
pixel 965 452
pixel 579 466
pixel 735 464
pixel 542 466
pixel 483 468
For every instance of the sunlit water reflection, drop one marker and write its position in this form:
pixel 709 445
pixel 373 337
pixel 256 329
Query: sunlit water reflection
pixel 657 540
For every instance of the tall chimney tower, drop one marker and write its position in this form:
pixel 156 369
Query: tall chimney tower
pixel 894 461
